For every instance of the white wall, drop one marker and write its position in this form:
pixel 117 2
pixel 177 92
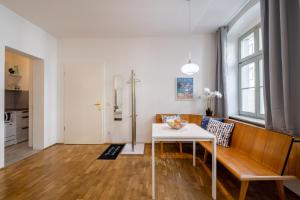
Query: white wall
pixel 157 63
pixel 17 33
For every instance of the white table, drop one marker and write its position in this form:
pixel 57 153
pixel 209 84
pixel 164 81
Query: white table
pixel 191 132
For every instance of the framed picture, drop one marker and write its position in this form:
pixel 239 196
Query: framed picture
pixel 184 88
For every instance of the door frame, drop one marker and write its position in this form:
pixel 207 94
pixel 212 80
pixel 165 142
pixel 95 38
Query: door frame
pixel 36 102
pixel 36 99
pixel 36 112
pixel 103 100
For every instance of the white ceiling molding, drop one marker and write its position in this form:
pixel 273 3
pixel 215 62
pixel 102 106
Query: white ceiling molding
pixel 245 22
pixel 247 6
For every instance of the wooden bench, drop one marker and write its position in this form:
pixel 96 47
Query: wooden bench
pixel 255 154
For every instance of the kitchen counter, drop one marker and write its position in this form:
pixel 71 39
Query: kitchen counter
pixel 15 109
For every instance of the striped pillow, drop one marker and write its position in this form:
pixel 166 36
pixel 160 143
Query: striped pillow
pixel 221 130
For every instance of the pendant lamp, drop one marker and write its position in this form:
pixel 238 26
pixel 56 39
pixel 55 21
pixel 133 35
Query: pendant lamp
pixel 190 68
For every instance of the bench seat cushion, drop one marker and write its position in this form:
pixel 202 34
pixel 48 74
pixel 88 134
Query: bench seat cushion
pixel 239 164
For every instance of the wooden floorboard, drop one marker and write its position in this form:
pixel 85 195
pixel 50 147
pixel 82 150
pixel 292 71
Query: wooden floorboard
pixel 73 172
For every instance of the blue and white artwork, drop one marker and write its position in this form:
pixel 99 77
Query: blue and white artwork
pixel 184 88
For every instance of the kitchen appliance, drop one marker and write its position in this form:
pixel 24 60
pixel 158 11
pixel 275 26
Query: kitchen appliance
pixel 8 116
pixel 10 129
pixel 16 127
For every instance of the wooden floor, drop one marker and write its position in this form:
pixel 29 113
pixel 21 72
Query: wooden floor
pixel 73 172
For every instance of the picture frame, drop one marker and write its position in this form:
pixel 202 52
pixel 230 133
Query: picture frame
pixel 184 88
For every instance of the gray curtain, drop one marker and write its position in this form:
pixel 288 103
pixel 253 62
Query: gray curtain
pixel 221 105
pixel 281 51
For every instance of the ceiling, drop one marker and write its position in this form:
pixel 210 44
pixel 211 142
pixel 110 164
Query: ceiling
pixel 125 18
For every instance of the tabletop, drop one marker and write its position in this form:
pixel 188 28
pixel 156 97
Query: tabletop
pixel 190 131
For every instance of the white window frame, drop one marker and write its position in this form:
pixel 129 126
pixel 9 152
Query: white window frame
pixel 255 57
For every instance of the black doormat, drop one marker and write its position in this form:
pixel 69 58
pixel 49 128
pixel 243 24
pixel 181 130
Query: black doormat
pixel 112 152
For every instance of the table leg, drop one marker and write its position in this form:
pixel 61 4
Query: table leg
pixel 214 170
pixel 194 153
pixel 153 169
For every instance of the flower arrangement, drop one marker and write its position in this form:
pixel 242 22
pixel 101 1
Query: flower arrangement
pixel 210 96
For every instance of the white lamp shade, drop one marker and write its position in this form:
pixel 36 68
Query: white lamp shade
pixel 190 68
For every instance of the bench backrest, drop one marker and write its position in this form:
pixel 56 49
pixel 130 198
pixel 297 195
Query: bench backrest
pixel 196 119
pixel 293 165
pixel 266 147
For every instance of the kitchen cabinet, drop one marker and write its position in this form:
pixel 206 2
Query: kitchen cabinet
pixel 22 125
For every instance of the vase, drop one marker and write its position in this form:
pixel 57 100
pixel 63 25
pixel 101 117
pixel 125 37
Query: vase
pixel 209 112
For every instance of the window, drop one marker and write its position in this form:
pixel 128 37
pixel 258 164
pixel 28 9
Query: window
pixel 251 82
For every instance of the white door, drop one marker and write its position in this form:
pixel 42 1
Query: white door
pixel 83 95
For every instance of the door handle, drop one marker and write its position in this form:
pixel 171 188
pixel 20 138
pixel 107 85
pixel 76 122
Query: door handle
pixel 98 105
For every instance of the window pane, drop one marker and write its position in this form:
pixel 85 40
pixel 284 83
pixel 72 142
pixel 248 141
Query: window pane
pixel 247 46
pixel 261 101
pixel 261 73
pixel 248 75
pixel 260 39
pixel 248 100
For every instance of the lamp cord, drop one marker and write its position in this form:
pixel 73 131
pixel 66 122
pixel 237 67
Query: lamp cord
pixel 190 30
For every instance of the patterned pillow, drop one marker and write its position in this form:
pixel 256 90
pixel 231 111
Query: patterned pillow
pixel 205 121
pixel 221 130
pixel 166 118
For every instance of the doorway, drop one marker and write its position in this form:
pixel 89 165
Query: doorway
pixel 83 103
pixel 24 105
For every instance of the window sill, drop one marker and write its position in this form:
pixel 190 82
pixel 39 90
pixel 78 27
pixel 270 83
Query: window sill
pixel 255 121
